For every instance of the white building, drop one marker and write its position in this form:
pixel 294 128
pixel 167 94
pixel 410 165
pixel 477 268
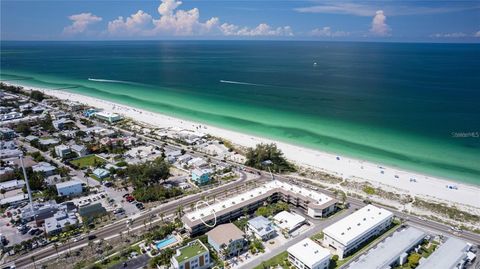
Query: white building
pixel 288 222
pixel 71 187
pixel 62 151
pixel 450 255
pixel 80 150
pixel 308 254
pixel 347 234
pixel 45 168
pixel 261 228
pixel 273 191
pixel 12 185
pixel 107 116
pixel 194 255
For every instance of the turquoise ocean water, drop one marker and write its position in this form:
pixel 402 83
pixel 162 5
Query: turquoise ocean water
pixel 397 104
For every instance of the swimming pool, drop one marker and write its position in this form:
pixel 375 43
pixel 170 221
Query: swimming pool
pixel 166 241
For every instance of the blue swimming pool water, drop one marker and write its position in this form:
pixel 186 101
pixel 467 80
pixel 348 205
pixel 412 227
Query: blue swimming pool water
pixel 166 241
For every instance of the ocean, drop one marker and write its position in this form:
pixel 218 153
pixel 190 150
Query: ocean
pixel 413 106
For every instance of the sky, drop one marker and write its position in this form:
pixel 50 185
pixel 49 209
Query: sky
pixel 336 20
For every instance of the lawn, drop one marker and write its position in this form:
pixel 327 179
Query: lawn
pixel 87 161
pixel 279 259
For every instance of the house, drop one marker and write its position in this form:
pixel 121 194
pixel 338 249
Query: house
pixel 6 173
pixel 261 228
pixel 107 116
pixel 59 221
pixel 61 124
pixel 38 109
pixel 308 254
pixel 41 211
pixel 288 222
pixel 89 112
pixel 80 150
pixel 6 133
pixel 62 151
pixel 45 168
pixel 31 138
pixel 227 240
pixel 347 234
pixel 8 145
pixel 101 173
pixel 13 200
pixel 197 162
pixel 184 158
pixel 201 176
pixel 68 188
pixel 12 185
pixel 48 142
pixel 194 255
pixel 11 116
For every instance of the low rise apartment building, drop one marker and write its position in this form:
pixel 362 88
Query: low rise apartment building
pixel 349 233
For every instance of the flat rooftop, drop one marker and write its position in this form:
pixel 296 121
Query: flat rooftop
pixel 447 255
pixel 309 252
pixel 68 183
pixel 350 228
pixel 251 195
pixel 389 250
pixel 288 221
pixel 193 249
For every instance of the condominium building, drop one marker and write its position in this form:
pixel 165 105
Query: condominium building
pixel 194 255
pixel 391 252
pixel 313 203
pixel 347 234
pixel 450 255
pixel 107 116
pixel 307 254
pixel 72 187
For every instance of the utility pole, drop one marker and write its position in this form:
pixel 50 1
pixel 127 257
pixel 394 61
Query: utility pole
pixel 26 182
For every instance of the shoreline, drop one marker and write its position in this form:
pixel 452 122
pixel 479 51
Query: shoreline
pixel 398 180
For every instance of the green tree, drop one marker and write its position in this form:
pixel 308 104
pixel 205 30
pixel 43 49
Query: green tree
pixel 37 95
pixel 256 157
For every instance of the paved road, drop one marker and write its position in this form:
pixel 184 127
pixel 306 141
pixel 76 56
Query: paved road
pixel 120 226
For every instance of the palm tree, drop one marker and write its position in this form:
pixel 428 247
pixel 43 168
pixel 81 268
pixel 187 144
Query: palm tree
pixel 162 215
pixel 3 191
pixel 33 260
pixel 55 245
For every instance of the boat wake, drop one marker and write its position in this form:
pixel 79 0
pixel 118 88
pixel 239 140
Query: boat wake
pixel 241 83
pixel 113 81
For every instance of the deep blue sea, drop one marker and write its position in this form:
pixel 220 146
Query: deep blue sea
pixel 399 104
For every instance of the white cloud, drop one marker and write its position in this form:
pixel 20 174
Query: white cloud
pixel 262 29
pixel 339 8
pixel 80 23
pixel 477 34
pixel 449 35
pixel 327 32
pixel 379 25
pixel 392 8
pixel 135 24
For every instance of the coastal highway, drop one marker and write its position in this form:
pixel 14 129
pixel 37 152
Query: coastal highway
pixel 120 226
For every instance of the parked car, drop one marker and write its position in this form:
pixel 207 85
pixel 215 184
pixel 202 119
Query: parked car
pixel 140 206
pixel 130 199
pixel 92 237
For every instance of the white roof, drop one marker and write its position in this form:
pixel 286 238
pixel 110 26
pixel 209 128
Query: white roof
pixel 288 221
pixel 254 193
pixel 11 184
pixel 447 255
pixel 106 114
pixel 309 252
pixel 68 184
pixel 357 224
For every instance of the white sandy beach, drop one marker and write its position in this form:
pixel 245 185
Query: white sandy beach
pixel 352 169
